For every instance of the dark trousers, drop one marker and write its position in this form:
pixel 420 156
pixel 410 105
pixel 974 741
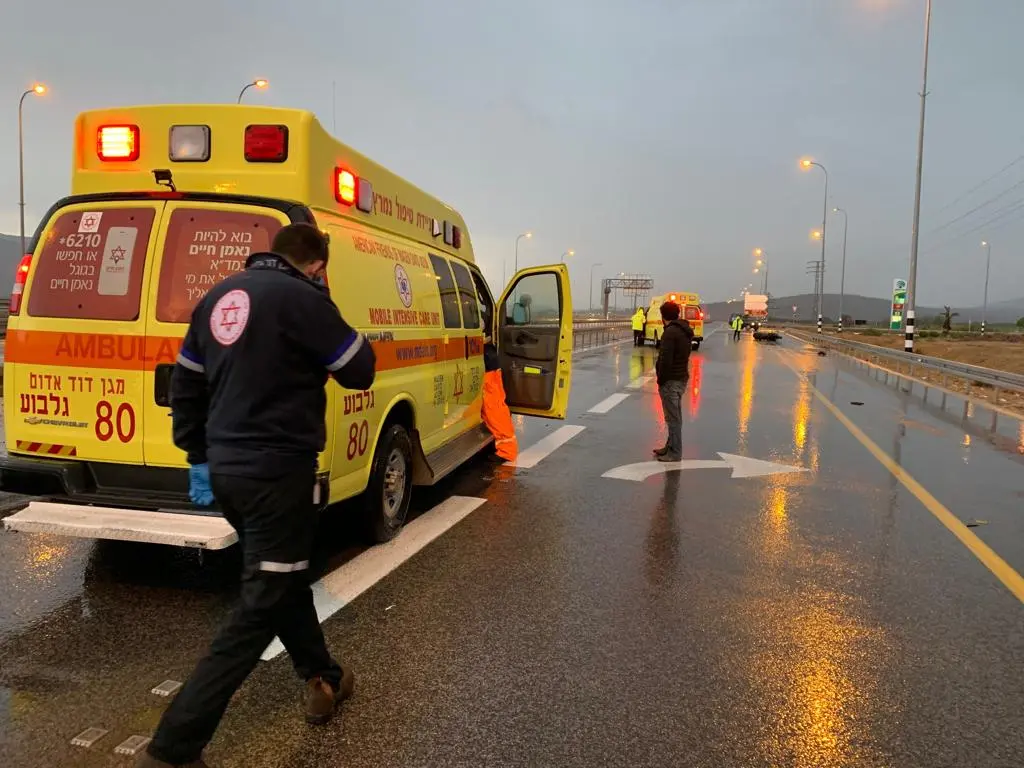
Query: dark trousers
pixel 672 408
pixel 735 334
pixel 638 338
pixel 276 523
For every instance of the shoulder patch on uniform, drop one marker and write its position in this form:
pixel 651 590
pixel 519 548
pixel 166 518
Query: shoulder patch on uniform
pixel 229 317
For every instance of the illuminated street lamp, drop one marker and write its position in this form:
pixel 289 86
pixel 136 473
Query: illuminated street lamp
pixel 36 90
pixel 570 252
pixel 261 84
pixel 761 260
pixel 527 235
pixel 807 164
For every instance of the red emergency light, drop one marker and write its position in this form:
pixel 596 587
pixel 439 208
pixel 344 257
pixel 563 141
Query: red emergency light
pixel 119 143
pixel 266 143
pixel 345 183
pixel 20 278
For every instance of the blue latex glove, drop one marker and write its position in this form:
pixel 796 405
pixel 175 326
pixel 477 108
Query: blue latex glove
pixel 199 490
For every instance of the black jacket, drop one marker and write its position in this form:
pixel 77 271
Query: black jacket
pixel 674 356
pixel 247 393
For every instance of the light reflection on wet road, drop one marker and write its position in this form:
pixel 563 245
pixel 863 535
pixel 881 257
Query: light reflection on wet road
pixel 693 619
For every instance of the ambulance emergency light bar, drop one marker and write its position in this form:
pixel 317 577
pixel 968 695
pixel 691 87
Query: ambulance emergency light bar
pixel 262 144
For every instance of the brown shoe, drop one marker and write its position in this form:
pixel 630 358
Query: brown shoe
pixel 321 698
pixel 660 451
pixel 148 761
pixel 669 458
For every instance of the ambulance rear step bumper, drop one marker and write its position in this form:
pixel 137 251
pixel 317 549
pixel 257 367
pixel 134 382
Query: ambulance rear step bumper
pixel 164 526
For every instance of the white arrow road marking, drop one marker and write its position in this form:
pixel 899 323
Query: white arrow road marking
pixel 741 466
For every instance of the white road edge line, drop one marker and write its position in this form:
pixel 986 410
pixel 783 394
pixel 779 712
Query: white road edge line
pixel 608 403
pixel 543 448
pixel 344 584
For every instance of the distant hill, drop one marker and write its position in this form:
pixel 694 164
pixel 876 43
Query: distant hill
pixel 866 308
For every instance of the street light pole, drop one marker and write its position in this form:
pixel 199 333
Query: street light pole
pixel 824 220
pixel 38 89
pixel 762 260
pixel 988 263
pixel 598 264
pixel 911 304
pixel 261 83
pixel 570 252
pixel 842 275
pixel 527 235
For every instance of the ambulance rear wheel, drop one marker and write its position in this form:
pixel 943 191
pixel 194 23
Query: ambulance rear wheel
pixel 390 488
pixel 657 342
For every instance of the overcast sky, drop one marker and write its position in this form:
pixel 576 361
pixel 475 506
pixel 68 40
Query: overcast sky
pixel 658 136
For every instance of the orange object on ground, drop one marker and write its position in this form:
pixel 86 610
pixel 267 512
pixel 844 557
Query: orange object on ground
pixel 498 417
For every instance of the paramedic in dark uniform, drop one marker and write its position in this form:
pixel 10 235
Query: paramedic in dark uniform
pixel 248 405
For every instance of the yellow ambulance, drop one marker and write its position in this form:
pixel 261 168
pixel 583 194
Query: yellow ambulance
pixel 690 310
pixel 168 200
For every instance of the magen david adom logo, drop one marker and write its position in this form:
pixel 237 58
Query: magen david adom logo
pixel 229 317
pixel 403 285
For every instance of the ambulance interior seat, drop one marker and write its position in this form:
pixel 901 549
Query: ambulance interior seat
pixel 529 338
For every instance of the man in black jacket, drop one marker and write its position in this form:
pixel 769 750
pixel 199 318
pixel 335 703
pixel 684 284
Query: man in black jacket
pixel 248 406
pixel 673 372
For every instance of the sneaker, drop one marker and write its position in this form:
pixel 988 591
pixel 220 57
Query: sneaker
pixel 321 698
pixel 660 451
pixel 669 457
pixel 148 761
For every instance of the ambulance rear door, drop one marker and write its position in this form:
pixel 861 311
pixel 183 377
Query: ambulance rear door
pixel 76 344
pixel 534 334
pixel 200 244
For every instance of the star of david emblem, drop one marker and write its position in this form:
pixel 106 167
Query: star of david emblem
pixel 117 254
pixel 229 315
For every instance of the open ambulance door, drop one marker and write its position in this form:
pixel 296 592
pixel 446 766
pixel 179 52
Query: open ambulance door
pixel 534 339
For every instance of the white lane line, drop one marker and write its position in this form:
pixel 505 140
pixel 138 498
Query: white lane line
pixel 540 450
pixel 608 403
pixel 640 381
pixel 343 585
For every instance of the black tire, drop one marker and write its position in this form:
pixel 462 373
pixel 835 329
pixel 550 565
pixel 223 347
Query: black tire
pixel 385 515
pixel 696 346
pixel 657 341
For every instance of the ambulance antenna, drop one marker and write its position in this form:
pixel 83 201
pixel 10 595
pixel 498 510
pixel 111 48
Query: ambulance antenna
pixel 163 178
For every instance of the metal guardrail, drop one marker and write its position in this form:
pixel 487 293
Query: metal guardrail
pixel 593 334
pixel 5 307
pixel 972 374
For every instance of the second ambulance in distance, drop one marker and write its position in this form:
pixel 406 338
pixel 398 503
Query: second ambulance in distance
pixel 690 310
pixel 168 200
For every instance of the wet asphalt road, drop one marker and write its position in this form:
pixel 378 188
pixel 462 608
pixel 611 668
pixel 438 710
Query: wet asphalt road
pixel 692 619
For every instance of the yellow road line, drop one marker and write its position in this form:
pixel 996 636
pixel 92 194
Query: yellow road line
pixel 1002 570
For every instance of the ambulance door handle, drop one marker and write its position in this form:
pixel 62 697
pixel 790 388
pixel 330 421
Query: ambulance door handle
pixel 162 384
pixel 466 338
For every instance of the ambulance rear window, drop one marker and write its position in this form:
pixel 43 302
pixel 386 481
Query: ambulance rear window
pixel 90 264
pixel 692 313
pixel 202 247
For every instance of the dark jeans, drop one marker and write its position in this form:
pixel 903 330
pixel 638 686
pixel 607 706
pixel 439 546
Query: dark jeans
pixel 671 406
pixel 735 334
pixel 638 338
pixel 276 523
